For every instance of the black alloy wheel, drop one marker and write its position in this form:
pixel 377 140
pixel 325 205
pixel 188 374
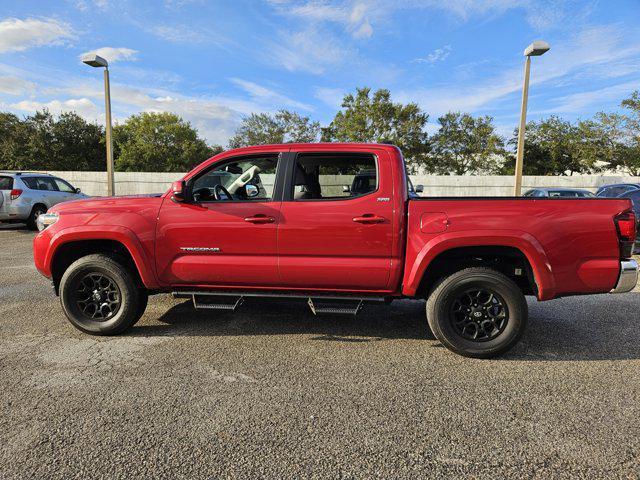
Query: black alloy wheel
pixel 479 314
pixel 98 297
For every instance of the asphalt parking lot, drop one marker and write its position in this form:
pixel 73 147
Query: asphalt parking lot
pixel 272 391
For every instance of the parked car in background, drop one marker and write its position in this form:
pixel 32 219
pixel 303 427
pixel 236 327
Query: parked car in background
pixel 634 196
pixel 559 192
pixel 24 196
pixel 616 190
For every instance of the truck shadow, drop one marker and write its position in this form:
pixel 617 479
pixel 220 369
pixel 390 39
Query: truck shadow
pixel 400 320
pixel 570 329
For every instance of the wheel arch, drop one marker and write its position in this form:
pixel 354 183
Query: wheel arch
pixel 502 251
pixel 67 247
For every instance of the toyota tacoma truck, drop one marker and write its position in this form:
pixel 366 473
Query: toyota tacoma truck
pixel 339 226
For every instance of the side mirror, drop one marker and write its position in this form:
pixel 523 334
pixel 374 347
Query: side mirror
pixel 177 191
pixel 346 189
pixel 251 190
pixel 419 188
pixel 78 191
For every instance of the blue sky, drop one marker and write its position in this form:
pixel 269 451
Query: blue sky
pixel 214 61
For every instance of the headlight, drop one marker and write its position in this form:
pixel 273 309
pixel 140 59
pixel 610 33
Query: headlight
pixel 46 219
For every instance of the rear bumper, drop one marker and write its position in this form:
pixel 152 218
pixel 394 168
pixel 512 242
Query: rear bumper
pixel 14 212
pixel 628 277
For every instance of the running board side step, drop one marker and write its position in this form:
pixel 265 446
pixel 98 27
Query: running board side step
pixel 230 301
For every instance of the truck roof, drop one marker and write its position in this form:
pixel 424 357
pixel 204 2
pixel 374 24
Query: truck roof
pixel 329 146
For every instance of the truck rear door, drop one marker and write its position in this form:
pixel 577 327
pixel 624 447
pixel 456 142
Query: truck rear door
pixel 336 223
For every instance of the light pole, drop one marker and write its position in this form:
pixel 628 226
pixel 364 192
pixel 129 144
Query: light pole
pixel 536 49
pixel 97 61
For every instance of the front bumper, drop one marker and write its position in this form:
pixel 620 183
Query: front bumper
pixel 628 276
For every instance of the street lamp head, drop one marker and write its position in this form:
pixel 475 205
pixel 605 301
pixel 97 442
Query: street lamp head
pixel 94 60
pixel 537 48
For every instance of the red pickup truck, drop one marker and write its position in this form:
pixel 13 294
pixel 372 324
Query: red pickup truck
pixel 339 226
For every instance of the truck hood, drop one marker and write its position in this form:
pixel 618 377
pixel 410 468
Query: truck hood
pixel 101 204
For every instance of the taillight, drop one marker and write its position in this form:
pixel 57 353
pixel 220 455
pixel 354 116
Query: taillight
pixel 15 193
pixel 626 226
pixel 626 222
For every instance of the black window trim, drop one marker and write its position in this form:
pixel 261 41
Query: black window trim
pixel 277 187
pixel 289 179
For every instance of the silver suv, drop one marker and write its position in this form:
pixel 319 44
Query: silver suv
pixel 24 196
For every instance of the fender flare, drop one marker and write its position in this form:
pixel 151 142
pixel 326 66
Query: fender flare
pixel 523 241
pixel 115 233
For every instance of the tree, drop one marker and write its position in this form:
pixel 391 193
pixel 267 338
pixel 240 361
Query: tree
pixel 465 144
pixel 14 135
pixel 375 118
pixel 612 140
pixel 44 142
pixel 622 134
pixel 283 127
pixel 78 145
pixel 554 146
pixel 158 142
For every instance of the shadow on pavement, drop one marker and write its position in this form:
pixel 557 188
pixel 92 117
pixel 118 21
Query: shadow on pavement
pixel 400 320
pixel 19 227
pixel 548 338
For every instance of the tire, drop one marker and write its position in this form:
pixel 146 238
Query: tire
pixel 143 300
pixel 100 296
pixel 33 216
pixel 478 325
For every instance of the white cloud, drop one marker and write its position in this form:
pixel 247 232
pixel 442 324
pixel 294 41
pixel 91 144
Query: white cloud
pixel 261 93
pixel 15 86
pixel 308 51
pixel 592 47
pixel 17 35
pixel 82 106
pixel 330 96
pixel 84 5
pixel 358 17
pixel 215 117
pixel 113 54
pixel 578 102
pixel 438 55
pixel 178 34
pixel 353 16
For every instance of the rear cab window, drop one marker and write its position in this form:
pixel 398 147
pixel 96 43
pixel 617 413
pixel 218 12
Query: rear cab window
pixel 6 183
pixel 334 176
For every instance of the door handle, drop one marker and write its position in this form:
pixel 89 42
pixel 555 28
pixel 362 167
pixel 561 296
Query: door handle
pixel 259 219
pixel 369 218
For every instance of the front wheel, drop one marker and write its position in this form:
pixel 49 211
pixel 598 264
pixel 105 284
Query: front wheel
pixel 100 296
pixel 477 312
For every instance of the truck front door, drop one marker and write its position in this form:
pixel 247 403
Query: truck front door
pixel 226 235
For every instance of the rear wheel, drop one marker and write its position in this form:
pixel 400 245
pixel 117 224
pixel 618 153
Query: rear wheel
pixel 100 296
pixel 36 211
pixel 477 312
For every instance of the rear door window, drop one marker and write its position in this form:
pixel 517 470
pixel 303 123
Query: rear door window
pixel 6 183
pixel 334 176
pixel 40 183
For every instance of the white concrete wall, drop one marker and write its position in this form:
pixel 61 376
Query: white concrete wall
pixel 130 183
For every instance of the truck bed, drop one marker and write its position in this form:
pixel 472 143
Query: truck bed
pixel 571 244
